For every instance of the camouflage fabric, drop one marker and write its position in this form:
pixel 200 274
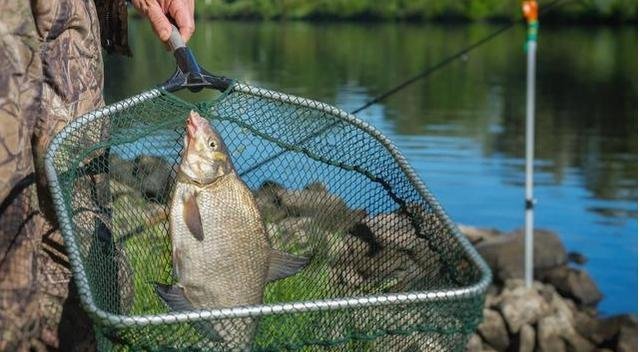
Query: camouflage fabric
pixel 51 72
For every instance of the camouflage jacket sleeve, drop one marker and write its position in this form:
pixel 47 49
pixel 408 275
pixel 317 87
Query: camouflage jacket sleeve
pixel 113 26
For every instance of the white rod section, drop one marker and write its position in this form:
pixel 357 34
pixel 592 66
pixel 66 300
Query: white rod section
pixel 529 201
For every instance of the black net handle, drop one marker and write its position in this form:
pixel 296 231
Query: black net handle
pixel 189 74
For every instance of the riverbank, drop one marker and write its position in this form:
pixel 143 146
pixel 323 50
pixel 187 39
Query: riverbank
pixel 558 313
pixel 617 11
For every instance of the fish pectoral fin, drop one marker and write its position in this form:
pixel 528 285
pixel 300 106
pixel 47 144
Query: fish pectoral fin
pixel 191 214
pixel 282 264
pixel 174 297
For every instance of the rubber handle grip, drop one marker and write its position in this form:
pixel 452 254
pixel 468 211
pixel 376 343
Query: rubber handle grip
pixel 175 40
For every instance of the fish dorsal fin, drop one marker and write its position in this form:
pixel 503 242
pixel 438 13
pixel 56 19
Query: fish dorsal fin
pixel 283 264
pixel 191 214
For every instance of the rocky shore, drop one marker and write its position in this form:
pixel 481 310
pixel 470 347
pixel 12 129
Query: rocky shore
pixel 559 313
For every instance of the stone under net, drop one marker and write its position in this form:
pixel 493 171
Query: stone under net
pixel 388 270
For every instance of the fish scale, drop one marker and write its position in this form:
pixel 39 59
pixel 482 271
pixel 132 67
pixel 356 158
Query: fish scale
pixel 229 266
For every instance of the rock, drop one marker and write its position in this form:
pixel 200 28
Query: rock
pixel 560 306
pixel 609 330
pixel 555 333
pixel 395 252
pixel 513 284
pixel 476 235
pixel 474 344
pixel 486 348
pixel 364 233
pixel 346 276
pixel 577 342
pixel 297 235
pixel 310 201
pixel 549 339
pixel 520 305
pixel 557 314
pixel 397 231
pixel 492 298
pixel 268 202
pixel 315 200
pixel 153 174
pixel 585 324
pixel 316 186
pixel 361 260
pixel 344 254
pixel 526 339
pixel 577 258
pixel 392 271
pixel 505 254
pixel 493 330
pixel 122 171
pixel 558 328
pixel 575 284
pixel 430 224
pixel 384 264
pixel 628 339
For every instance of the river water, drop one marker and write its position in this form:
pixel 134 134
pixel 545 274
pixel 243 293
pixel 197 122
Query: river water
pixel 462 128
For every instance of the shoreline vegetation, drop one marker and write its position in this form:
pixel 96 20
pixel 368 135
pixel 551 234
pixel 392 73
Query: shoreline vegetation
pixel 567 11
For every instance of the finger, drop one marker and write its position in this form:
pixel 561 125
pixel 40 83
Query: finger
pixel 182 13
pixel 159 22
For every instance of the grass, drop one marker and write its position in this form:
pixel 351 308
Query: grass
pixel 149 255
pixel 304 331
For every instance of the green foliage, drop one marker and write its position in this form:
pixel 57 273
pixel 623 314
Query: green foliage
pixel 141 249
pixel 470 10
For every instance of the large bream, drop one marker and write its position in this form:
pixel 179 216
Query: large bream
pixel 221 253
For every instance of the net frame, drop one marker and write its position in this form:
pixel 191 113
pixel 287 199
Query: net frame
pixel 475 290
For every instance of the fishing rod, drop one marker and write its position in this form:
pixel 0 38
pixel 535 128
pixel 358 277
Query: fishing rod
pixel 429 71
pixel 420 75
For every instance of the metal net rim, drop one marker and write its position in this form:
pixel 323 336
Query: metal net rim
pixel 81 280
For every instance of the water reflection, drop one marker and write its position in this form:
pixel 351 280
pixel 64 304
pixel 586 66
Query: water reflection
pixel 462 129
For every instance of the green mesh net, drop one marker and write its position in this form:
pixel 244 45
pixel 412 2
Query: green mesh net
pixel 388 269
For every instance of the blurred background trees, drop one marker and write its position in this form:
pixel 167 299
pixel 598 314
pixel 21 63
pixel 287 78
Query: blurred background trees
pixel 610 11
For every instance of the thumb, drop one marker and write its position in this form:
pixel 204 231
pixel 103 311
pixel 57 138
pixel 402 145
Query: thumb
pixel 159 22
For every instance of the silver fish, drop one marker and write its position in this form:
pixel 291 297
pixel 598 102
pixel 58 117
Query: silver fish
pixel 221 253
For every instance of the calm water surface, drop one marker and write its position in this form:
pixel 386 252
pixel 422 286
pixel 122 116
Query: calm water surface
pixel 462 128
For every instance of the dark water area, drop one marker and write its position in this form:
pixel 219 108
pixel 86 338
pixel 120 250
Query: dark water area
pixel 462 128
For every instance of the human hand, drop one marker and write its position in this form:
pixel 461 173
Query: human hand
pixel 161 12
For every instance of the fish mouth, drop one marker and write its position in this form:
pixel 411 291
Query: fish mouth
pixel 195 122
pixel 192 125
